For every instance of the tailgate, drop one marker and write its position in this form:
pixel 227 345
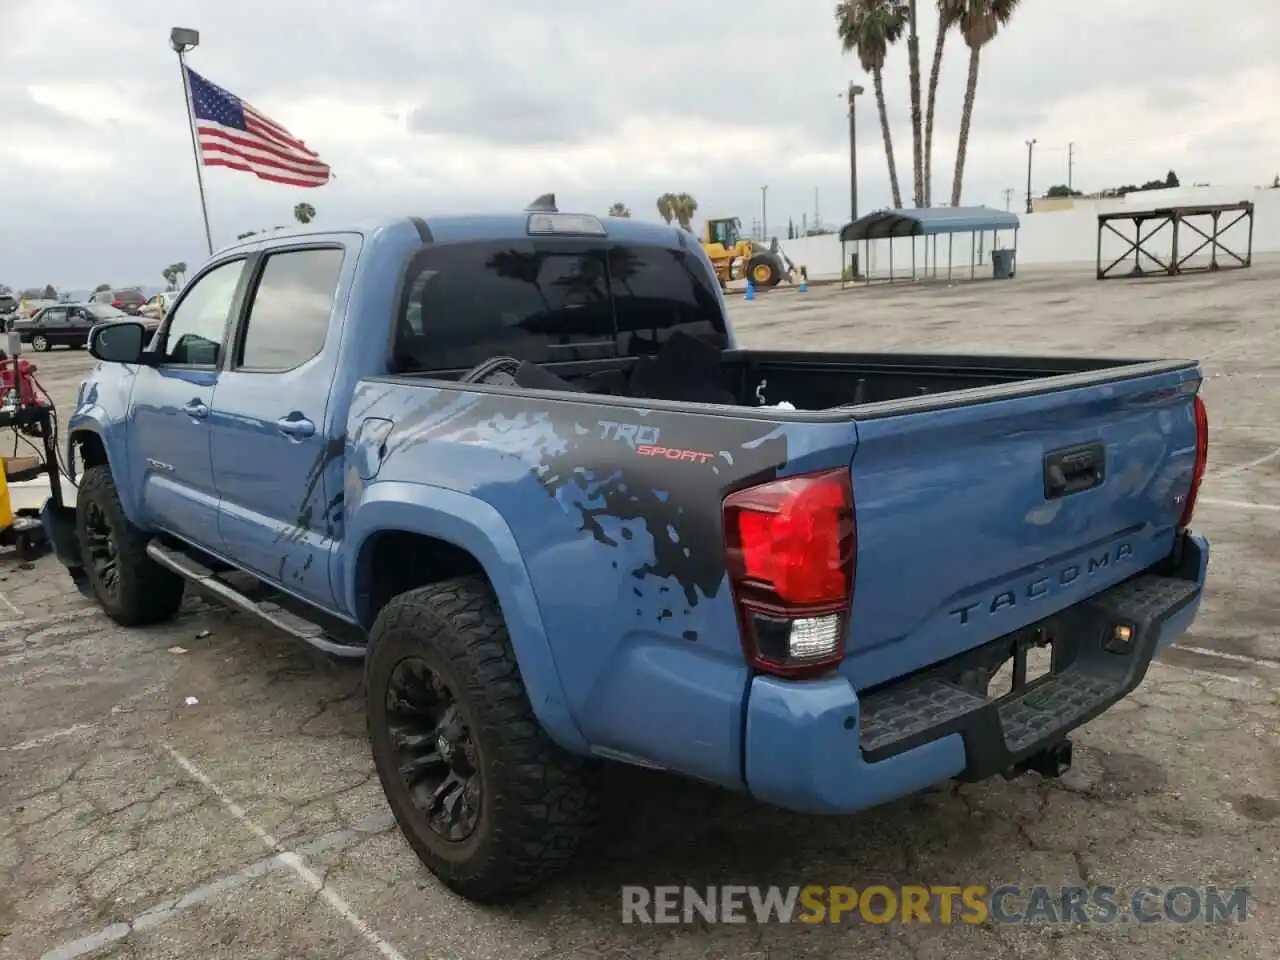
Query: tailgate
pixel 966 532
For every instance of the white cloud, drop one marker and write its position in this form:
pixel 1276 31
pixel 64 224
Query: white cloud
pixel 429 106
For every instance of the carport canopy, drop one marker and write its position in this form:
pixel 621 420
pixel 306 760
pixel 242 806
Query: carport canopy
pixel 927 222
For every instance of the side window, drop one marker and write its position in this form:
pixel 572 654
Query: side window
pixel 657 291
pixel 197 327
pixel 290 311
pixel 54 317
pixel 468 302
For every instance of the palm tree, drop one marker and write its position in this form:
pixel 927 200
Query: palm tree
pixel 619 210
pixel 869 28
pixel 948 17
pixel 980 21
pixel 684 208
pixel 679 207
pixel 304 212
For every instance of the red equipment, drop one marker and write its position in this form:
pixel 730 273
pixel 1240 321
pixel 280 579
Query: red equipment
pixel 27 396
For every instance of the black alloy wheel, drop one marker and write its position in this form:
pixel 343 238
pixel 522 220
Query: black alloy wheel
pixel 438 758
pixel 102 549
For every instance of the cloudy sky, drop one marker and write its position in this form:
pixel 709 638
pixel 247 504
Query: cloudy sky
pixel 425 106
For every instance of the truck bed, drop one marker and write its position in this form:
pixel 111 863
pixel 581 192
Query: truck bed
pixel 838 381
pixel 876 384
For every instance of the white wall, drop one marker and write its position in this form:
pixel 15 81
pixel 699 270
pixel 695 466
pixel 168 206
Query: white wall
pixel 1063 236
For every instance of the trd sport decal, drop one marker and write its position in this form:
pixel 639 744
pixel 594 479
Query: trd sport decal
pixel 644 440
pixel 672 453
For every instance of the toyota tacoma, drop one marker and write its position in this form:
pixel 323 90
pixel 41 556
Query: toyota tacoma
pixel 522 467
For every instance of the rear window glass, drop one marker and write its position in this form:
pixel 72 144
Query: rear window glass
pixel 657 292
pixel 466 303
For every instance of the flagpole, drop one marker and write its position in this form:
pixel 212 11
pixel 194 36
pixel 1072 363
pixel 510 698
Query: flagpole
pixel 183 39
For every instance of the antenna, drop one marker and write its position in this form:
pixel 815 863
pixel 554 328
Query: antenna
pixel 544 204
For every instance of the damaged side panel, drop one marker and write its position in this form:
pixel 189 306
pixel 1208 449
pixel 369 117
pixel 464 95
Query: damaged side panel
pixel 616 514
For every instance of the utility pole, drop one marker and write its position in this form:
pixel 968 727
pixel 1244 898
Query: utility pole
pixel 817 220
pixel 854 91
pixel 1071 163
pixel 764 213
pixel 1008 197
pixel 1030 146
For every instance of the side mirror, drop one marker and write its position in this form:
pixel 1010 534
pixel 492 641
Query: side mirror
pixel 118 341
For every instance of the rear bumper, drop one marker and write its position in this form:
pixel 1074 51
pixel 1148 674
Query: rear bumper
pixel 820 747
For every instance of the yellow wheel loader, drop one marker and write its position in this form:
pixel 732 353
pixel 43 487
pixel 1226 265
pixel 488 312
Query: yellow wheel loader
pixel 737 258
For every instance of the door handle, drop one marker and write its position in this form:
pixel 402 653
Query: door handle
pixel 296 428
pixel 195 408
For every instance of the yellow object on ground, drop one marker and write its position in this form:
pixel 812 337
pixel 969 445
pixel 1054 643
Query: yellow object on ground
pixel 728 249
pixel 6 506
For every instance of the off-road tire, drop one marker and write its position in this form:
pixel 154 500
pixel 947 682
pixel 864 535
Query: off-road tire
pixel 145 592
pixel 538 801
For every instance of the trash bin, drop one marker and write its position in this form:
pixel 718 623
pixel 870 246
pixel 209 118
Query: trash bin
pixel 1001 264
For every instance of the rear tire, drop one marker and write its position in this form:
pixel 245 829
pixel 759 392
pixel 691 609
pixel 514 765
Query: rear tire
pixel 446 704
pixel 133 589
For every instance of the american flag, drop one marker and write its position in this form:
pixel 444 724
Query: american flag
pixel 233 134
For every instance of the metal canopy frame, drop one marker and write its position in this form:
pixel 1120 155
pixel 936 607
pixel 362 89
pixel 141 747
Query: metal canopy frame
pixel 1178 217
pixel 928 222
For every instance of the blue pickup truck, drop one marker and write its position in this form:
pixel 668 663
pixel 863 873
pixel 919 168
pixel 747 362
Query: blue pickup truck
pixel 522 467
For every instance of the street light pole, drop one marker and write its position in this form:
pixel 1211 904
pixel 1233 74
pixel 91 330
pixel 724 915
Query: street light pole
pixel 854 91
pixel 852 95
pixel 1030 145
pixel 764 213
pixel 182 39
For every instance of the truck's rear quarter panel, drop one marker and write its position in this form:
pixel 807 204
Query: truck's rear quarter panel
pixel 616 513
pixel 957 543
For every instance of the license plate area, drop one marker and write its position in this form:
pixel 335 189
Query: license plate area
pixel 1029 662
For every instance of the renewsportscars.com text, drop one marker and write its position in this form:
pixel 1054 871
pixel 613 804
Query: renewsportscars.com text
pixel 938 904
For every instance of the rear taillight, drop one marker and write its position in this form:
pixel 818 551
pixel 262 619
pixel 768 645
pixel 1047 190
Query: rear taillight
pixel 790 547
pixel 1202 460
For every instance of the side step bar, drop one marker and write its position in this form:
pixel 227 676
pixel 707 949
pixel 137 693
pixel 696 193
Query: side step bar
pixel 208 582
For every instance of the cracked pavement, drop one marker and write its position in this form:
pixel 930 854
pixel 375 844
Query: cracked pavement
pixel 109 847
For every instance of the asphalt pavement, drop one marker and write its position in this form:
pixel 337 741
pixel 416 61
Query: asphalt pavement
pixel 204 788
